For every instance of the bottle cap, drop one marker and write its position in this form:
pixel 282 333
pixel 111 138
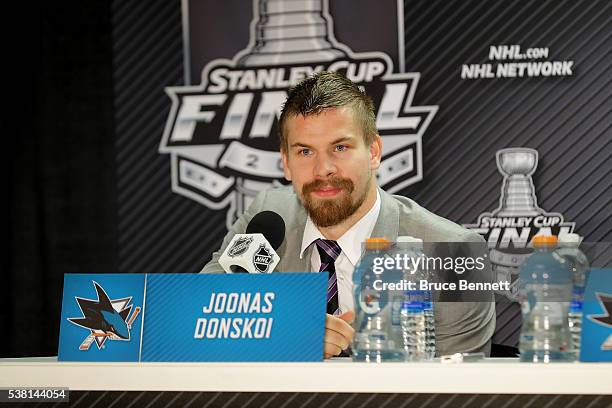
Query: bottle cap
pixel 543 241
pixel 407 238
pixel 377 243
pixel 570 239
pixel 415 243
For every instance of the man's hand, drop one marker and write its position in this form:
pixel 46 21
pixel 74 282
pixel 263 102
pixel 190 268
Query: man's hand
pixel 338 333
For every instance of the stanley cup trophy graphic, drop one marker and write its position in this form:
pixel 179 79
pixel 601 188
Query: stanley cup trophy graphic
pixel 290 32
pixel 517 199
pixel 285 33
pixel 518 192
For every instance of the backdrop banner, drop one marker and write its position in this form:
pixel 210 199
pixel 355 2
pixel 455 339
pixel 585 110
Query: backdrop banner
pixel 493 114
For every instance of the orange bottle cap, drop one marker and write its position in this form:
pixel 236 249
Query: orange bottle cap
pixel 541 241
pixel 377 243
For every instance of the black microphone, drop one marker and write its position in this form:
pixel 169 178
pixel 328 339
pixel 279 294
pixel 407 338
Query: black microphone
pixel 270 225
pixel 254 252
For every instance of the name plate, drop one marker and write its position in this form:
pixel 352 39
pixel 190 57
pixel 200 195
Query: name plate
pixel 193 317
pixel 596 341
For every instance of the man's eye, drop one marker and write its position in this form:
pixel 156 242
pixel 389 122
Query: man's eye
pixel 304 152
pixel 341 148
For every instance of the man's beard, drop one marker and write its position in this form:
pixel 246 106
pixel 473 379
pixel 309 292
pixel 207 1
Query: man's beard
pixel 332 211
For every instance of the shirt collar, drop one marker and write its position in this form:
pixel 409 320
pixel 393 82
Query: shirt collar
pixel 350 242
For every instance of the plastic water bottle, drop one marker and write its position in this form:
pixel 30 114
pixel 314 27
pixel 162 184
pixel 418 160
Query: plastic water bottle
pixel 568 248
pixel 413 326
pixel 418 323
pixel 377 338
pixel 413 323
pixel 545 295
pixel 430 326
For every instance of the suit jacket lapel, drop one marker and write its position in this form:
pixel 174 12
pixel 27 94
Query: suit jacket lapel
pixel 293 243
pixel 387 225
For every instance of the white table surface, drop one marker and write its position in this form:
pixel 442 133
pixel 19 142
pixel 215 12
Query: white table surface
pixel 494 376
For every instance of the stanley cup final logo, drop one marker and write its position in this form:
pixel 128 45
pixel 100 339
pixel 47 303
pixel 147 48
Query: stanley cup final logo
pixel 222 135
pixel 510 228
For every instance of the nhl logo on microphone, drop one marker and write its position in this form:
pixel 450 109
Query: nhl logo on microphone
pixel 262 259
pixel 249 253
pixel 240 246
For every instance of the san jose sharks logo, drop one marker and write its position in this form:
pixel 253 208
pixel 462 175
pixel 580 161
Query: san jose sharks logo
pixel 105 319
pixel 604 319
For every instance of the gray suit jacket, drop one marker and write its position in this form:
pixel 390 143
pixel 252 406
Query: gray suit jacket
pixel 460 326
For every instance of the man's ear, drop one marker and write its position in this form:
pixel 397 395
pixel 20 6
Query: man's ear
pixel 375 152
pixel 285 164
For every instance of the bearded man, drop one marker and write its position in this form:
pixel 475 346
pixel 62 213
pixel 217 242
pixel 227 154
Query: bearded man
pixel 331 150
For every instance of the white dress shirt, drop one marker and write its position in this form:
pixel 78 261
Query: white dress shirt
pixel 351 245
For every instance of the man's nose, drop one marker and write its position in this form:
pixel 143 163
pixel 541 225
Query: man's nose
pixel 325 166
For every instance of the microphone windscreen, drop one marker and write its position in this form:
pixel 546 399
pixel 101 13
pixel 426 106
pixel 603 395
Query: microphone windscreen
pixel 270 225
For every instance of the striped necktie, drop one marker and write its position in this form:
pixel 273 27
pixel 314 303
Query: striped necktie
pixel 329 252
